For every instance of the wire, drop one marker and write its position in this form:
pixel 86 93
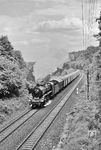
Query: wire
pixel 88 18
pixel 91 18
pixel 83 29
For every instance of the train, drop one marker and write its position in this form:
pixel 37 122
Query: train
pixel 41 94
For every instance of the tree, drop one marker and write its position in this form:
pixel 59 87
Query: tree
pixel 66 66
pixel 6 48
pixel 4 42
pixel 19 58
pixel 10 78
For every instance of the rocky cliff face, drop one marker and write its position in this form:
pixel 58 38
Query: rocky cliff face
pixel 74 55
pixel 82 59
pixel 87 54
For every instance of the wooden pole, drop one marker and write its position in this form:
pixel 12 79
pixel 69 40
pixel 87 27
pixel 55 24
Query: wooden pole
pixel 88 84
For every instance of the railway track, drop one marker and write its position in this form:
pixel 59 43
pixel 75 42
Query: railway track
pixel 14 124
pixel 31 141
pixel 25 133
pixel 7 125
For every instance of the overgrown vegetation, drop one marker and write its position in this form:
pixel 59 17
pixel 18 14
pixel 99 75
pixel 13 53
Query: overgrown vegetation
pixel 82 130
pixel 15 77
pixel 10 78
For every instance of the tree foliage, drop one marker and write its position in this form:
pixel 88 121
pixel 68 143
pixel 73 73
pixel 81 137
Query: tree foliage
pixel 96 77
pixel 20 60
pixel 4 42
pixel 12 70
pixel 10 78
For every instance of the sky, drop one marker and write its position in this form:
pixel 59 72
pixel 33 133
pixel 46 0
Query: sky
pixel 46 30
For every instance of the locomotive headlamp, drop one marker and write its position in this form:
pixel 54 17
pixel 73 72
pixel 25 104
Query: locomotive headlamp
pixel 42 99
pixel 30 105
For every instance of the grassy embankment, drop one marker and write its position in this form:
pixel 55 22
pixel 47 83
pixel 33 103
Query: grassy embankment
pixel 82 130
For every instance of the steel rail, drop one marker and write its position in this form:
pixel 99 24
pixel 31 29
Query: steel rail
pixel 14 126
pixel 28 142
pixel 13 121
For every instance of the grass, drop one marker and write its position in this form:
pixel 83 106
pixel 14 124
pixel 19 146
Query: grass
pixel 82 131
pixel 10 107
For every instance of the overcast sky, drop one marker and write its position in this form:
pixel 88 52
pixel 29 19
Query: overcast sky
pixel 44 30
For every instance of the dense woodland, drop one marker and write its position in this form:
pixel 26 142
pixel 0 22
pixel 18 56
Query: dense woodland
pixel 16 76
pixel 14 71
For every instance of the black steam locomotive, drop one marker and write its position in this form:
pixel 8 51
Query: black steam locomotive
pixel 43 93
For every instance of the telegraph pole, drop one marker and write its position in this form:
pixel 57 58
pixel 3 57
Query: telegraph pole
pixel 88 84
